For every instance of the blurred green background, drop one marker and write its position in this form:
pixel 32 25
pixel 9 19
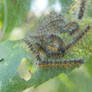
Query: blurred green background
pixel 18 18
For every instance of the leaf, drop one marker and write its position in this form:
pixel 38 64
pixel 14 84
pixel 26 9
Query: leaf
pixel 89 9
pixel 12 53
pixel 79 79
pixel 10 80
pixel 66 5
pixel 15 12
pixel 88 65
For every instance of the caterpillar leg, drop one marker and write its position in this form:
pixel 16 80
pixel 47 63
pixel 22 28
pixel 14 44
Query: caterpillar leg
pixel 79 37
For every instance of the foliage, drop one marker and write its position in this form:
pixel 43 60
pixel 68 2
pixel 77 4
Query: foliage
pixel 14 14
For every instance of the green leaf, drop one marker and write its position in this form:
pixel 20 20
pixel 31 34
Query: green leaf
pixel 12 53
pixel 89 65
pixel 10 80
pixel 79 81
pixel 66 5
pixel 89 9
pixel 15 12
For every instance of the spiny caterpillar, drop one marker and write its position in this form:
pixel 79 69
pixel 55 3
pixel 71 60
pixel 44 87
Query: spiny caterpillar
pixel 51 23
pixel 51 45
pixel 82 9
pixel 79 37
pixel 51 49
pixel 71 27
pixel 65 63
pixel 35 52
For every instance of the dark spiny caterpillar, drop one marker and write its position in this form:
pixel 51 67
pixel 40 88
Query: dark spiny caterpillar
pixel 49 51
pixel 66 63
pixel 53 22
pixel 79 37
pixel 51 45
pixel 52 26
pixel 71 27
pixel 82 9
pixel 35 52
pixel 55 47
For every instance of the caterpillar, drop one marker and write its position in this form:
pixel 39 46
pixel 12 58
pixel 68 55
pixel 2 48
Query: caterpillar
pixel 52 50
pixel 33 50
pixel 65 63
pixel 52 47
pixel 59 44
pixel 79 37
pixel 52 26
pixel 48 53
pixel 82 9
pixel 71 27
pixel 52 22
pixel 37 37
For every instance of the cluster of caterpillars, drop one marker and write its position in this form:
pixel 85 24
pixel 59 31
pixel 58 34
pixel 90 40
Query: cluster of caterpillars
pixel 48 44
